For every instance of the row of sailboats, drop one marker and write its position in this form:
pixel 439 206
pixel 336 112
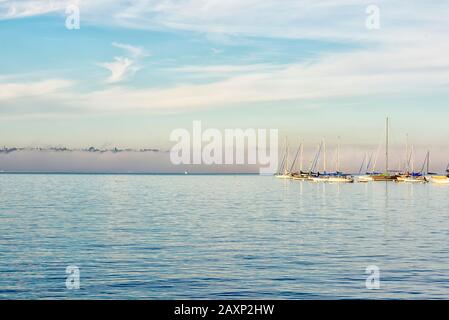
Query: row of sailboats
pixel 406 175
pixel 295 173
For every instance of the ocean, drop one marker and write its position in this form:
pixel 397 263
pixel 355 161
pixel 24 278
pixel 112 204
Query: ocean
pixel 220 237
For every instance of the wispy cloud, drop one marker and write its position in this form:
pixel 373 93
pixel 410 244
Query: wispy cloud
pixel 19 90
pixel 361 74
pixel 120 68
pixel 408 54
pixel 134 51
pixel 228 69
pixel 21 9
pixel 124 67
pixel 312 19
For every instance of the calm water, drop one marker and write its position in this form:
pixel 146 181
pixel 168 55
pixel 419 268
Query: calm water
pixel 198 237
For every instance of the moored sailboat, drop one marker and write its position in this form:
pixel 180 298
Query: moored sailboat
pixel 333 177
pixel 415 177
pixel 300 174
pixel 441 179
pixel 376 176
pixel 339 176
pixel 283 171
pixel 368 176
pixel 387 175
pixel 320 177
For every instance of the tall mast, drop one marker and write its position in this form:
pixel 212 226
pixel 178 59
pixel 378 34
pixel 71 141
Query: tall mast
pixel 286 152
pixel 428 162
pixel 338 155
pixel 301 155
pixel 315 160
pixel 324 158
pixel 363 163
pixel 413 159
pixel 368 165
pixel 406 156
pixel 295 160
pixel 387 146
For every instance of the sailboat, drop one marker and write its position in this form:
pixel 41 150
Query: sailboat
pixel 299 175
pixel 406 170
pixel 335 177
pixel 338 176
pixel 320 177
pixel 283 172
pixel 415 177
pixel 311 172
pixel 441 179
pixel 386 176
pixel 367 177
pixel 372 175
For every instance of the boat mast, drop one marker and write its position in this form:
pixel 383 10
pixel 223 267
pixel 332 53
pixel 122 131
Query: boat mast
pixel 387 146
pixel 293 166
pixel 407 161
pixel 324 158
pixel 286 152
pixel 376 157
pixel 317 156
pixel 282 165
pixel 338 155
pixel 368 165
pixel 301 155
pixel 363 163
pixel 426 163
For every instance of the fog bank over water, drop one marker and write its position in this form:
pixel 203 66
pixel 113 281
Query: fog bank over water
pixel 107 162
pixel 159 161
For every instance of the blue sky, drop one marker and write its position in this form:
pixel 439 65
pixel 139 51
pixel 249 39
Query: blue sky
pixel 136 70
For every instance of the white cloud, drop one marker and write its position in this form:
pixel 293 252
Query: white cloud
pixel 313 19
pixel 123 67
pixel 17 90
pixel 409 54
pixel 228 69
pixel 120 69
pixel 363 74
pixel 135 52
pixel 21 9
pixel 338 20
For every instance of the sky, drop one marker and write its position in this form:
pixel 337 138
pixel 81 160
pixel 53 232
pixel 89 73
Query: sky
pixel 137 69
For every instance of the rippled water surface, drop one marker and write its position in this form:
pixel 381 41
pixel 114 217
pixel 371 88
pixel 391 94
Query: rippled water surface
pixel 212 236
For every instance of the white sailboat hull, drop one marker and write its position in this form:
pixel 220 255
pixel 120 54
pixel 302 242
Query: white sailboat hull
pixel 411 180
pixel 319 179
pixel 305 178
pixel 283 176
pixel 333 179
pixel 440 180
pixel 365 179
pixel 340 180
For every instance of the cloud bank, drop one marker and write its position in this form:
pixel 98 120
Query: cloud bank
pixel 408 54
